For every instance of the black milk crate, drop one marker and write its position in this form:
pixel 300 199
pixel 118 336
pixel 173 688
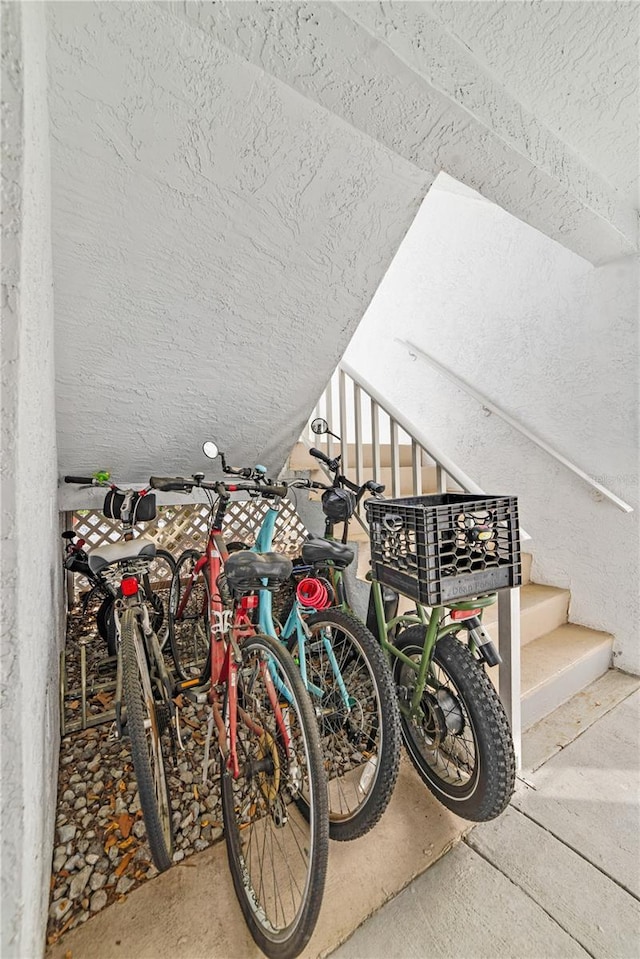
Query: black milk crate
pixel 446 547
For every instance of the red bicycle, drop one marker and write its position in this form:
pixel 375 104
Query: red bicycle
pixel 273 787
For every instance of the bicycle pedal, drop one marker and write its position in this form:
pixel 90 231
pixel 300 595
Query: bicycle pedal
pixel 197 694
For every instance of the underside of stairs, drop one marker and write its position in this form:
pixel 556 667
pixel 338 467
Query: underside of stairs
pixel 558 658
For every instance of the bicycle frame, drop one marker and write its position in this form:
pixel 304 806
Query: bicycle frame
pixel 224 657
pixel 295 623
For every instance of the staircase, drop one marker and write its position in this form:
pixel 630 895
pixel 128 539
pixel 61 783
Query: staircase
pixel 557 658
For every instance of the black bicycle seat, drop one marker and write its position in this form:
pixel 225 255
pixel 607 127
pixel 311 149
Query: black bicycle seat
pixel 246 571
pixel 319 550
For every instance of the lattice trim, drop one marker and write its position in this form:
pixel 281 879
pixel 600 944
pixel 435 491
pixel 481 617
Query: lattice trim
pixel 177 528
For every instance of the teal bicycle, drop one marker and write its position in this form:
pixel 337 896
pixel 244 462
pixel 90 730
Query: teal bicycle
pixel 448 553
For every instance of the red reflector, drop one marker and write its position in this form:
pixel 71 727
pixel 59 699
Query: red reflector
pixel 232 488
pixel 129 586
pixel 464 613
pixel 248 602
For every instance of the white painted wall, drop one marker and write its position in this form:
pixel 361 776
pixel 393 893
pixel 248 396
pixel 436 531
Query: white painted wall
pixel 30 559
pixel 554 342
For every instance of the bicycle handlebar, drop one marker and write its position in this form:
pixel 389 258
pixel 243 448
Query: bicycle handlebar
pixel 84 480
pixel 180 484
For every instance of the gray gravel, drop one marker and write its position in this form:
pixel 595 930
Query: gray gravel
pixel 100 852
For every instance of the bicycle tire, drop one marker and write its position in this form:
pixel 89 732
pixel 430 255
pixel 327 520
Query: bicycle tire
pixel 464 701
pixel 157 583
pixel 260 811
pixel 146 742
pixel 361 747
pixel 189 638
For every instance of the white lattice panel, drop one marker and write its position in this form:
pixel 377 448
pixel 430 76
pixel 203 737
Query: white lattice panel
pixel 177 528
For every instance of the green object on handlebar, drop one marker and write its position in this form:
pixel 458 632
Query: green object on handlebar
pixel 102 476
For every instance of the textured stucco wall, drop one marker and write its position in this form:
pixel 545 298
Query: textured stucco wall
pixel 217 238
pixel 554 342
pixel 29 564
pixel 395 71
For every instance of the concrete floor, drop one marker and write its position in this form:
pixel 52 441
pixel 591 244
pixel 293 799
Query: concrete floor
pixel 557 875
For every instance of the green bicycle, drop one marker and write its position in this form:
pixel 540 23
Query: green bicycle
pixel 448 553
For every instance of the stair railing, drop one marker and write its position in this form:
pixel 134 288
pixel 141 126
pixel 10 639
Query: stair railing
pixel 347 395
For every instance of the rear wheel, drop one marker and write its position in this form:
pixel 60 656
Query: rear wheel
pixel 359 725
pixel 189 617
pixel 277 855
pixel 461 743
pixel 146 720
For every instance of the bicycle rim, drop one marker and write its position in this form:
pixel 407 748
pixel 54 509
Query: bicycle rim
pixel 277 855
pixel 358 720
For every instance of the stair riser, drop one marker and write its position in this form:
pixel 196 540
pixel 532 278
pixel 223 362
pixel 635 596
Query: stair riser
pixel 300 456
pixel 566 683
pixel 538 620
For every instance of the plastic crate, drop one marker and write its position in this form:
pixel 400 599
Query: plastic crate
pixel 446 547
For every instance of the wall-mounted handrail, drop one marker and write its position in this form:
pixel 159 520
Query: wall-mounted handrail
pixel 487 404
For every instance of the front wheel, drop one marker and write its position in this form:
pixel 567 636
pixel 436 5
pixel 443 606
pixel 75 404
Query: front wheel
pixel 353 696
pixel 460 741
pixel 147 719
pixel 277 855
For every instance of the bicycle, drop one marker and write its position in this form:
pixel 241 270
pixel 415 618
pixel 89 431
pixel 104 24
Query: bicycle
pixel 453 724
pixel 144 709
pixel 274 796
pixel 156 581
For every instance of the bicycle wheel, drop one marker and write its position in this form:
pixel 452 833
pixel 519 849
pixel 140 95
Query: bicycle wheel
pixel 360 738
pixel 462 746
pixel 277 855
pixel 189 617
pixel 146 720
pixel 157 584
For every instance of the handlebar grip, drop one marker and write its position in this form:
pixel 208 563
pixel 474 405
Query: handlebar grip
pixel 319 455
pixel 82 480
pixel 273 490
pixel 168 484
pixel 375 487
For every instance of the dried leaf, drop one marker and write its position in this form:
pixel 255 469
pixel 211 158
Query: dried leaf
pixel 179 701
pixel 205 822
pixel 195 793
pixel 111 841
pixel 113 825
pixel 62 931
pixel 125 862
pixel 122 785
pixel 68 954
pixel 112 802
pixel 125 823
pixel 105 699
pixel 74 704
pixel 191 722
pixel 126 843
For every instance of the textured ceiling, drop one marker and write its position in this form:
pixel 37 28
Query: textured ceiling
pixel 573 64
pixel 217 239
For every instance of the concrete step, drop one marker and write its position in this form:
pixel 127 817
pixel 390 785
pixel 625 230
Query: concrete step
pixel 542 609
pixel 556 666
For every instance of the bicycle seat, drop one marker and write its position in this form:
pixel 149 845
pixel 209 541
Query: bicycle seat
pixel 104 556
pixel 246 571
pixel 319 550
